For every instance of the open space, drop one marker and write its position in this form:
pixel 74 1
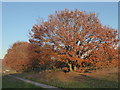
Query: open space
pixel 107 78
pixel 63 45
pixel 9 82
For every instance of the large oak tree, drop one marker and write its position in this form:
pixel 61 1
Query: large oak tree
pixel 76 38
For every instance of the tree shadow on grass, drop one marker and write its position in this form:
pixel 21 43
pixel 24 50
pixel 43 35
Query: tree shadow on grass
pixel 95 82
pixel 79 81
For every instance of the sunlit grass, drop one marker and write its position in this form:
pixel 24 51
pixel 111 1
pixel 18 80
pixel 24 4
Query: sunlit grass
pixel 99 79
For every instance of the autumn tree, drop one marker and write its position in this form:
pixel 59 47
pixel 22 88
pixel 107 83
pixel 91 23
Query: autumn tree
pixel 46 57
pixel 21 56
pixel 76 38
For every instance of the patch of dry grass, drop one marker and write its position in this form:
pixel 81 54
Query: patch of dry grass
pixel 109 73
pixel 107 77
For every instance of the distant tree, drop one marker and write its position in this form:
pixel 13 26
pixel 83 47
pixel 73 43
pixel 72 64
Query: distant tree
pixel 77 38
pixel 21 56
pixel 46 58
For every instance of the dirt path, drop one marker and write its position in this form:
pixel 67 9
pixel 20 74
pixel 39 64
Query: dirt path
pixel 35 83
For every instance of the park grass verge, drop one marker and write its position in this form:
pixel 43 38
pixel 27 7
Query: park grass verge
pixel 9 82
pixel 99 79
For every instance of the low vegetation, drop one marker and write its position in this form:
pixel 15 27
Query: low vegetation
pixel 9 82
pixel 95 79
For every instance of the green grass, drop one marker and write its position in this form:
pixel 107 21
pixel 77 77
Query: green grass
pixel 88 83
pixel 84 82
pixel 100 79
pixel 9 82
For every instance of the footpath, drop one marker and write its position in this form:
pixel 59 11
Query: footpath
pixel 35 83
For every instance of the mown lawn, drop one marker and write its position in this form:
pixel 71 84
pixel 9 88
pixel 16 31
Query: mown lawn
pixel 100 79
pixel 9 82
pixel 89 82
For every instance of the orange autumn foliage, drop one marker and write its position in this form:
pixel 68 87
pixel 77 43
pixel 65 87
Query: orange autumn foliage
pixel 21 56
pixel 78 39
pixel 70 40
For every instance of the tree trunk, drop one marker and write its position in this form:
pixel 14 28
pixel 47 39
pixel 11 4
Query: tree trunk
pixel 70 67
pixel 75 68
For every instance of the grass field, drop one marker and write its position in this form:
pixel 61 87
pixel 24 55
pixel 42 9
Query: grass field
pixel 106 78
pixel 9 82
